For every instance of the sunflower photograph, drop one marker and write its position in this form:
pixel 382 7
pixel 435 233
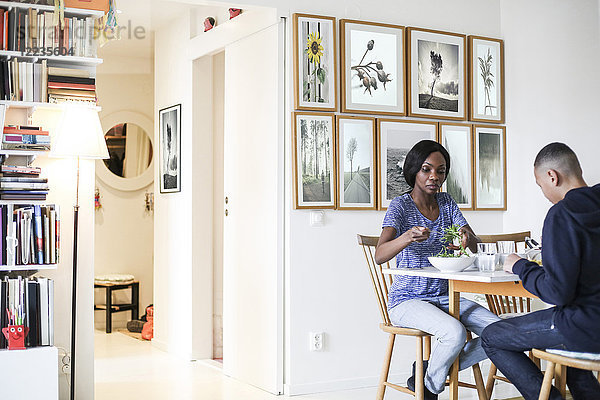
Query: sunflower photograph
pixel 314 62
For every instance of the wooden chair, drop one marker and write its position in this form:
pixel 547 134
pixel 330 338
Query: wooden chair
pixel 505 306
pixel 557 369
pixel 381 283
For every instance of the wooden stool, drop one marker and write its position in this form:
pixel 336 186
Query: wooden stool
pixel 112 308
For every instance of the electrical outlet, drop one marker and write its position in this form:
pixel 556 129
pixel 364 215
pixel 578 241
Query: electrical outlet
pixel 316 342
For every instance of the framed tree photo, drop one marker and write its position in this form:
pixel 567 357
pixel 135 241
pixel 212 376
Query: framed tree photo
pixel 486 67
pixel 490 167
pixel 458 140
pixel 373 75
pixel 395 138
pixel 315 68
pixel 170 149
pixel 355 140
pixel 437 82
pixel 314 160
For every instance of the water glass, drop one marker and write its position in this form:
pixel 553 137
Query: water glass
pixel 506 247
pixel 486 257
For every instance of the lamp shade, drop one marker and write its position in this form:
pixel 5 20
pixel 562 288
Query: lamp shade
pixel 80 135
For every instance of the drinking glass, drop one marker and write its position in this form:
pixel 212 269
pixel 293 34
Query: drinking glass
pixel 506 247
pixel 486 254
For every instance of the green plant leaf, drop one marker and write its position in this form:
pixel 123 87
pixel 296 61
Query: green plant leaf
pixel 321 74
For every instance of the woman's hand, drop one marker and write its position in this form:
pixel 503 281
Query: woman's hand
pixel 417 234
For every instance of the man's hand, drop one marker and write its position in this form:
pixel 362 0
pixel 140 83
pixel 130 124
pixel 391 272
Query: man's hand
pixel 418 233
pixel 509 262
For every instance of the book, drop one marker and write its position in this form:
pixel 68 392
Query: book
pixel 39 243
pixel 20 179
pixel 50 312
pixel 52 235
pixel 11 239
pixel 33 310
pixel 23 185
pixel 69 85
pixel 44 312
pixel 71 79
pixel 3 307
pixel 46 222
pixel 18 169
pixel 73 72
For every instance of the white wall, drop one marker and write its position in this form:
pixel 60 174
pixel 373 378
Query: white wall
pixel 552 53
pixel 124 240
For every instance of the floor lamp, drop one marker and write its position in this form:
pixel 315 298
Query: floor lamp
pixel 79 135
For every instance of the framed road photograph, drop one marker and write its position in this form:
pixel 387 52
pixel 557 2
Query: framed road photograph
pixel 314 160
pixel 372 67
pixel 437 82
pixel 355 139
pixel 315 66
pixel 458 140
pixel 486 67
pixel 394 139
pixel 170 149
pixel 490 167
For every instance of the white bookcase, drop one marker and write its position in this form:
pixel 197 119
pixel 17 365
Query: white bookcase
pixel 29 374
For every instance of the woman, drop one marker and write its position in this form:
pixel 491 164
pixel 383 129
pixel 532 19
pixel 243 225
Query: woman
pixel 412 230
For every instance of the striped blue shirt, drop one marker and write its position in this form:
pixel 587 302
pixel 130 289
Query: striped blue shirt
pixel 403 214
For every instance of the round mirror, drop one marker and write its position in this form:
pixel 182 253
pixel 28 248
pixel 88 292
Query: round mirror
pixel 130 150
pixel 129 138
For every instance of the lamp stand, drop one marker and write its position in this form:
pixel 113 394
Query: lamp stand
pixel 74 289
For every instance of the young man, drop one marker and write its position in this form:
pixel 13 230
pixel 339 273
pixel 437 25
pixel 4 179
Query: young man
pixel 569 279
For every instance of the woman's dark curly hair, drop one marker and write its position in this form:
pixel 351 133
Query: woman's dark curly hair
pixel 417 156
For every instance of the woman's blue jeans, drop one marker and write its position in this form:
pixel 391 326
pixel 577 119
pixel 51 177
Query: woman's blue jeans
pixel 431 315
pixel 506 341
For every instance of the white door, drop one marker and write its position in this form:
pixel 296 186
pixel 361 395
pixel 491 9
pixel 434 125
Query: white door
pixel 253 229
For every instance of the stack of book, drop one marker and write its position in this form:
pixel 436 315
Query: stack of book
pixel 31 233
pixel 71 85
pixel 31 29
pixel 23 81
pixel 23 137
pixel 28 302
pixel 22 183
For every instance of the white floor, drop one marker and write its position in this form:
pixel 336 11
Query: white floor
pixel 127 368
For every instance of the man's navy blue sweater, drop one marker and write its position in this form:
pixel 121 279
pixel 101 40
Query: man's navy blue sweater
pixel 570 276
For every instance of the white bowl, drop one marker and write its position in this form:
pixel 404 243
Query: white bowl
pixel 451 264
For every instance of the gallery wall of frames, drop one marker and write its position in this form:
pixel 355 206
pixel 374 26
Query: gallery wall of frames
pixel 351 157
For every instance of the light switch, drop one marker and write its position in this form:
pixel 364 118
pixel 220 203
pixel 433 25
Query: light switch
pixel 317 218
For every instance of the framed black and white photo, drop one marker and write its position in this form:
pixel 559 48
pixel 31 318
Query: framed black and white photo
pixel 170 149
pixel 373 76
pixel 395 138
pixel 314 160
pixel 458 140
pixel 436 74
pixel 486 66
pixel 490 167
pixel 355 139
pixel 315 65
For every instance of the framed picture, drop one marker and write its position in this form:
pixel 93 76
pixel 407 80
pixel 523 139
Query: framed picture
pixel 372 67
pixel 436 74
pixel 355 139
pixel 315 68
pixel 314 160
pixel 395 138
pixel 486 67
pixel 170 149
pixel 490 167
pixel 458 140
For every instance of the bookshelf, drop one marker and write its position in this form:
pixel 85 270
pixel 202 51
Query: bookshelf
pixel 83 61
pixel 68 11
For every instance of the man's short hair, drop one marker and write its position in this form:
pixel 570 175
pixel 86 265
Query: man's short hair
pixel 559 157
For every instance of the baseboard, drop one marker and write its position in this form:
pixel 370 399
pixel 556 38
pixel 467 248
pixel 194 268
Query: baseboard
pixel 341 384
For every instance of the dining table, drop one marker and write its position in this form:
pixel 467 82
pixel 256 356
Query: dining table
pixel 470 280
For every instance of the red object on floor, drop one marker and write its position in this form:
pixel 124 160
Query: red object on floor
pixel 148 329
pixel 234 12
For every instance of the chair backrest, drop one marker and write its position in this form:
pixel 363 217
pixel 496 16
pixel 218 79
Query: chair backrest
pixel 381 282
pixel 504 304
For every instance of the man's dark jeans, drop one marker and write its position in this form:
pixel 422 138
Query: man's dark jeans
pixel 506 341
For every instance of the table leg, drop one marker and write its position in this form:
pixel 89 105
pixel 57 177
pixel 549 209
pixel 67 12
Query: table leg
pixel 454 308
pixel 108 309
pixel 135 300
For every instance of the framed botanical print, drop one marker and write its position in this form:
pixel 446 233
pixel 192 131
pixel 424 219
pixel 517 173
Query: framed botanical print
pixel 355 140
pixel 394 139
pixel 436 74
pixel 490 167
pixel 458 140
pixel 314 160
pixel 373 75
pixel 315 68
pixel 486 67
pixel 170 149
